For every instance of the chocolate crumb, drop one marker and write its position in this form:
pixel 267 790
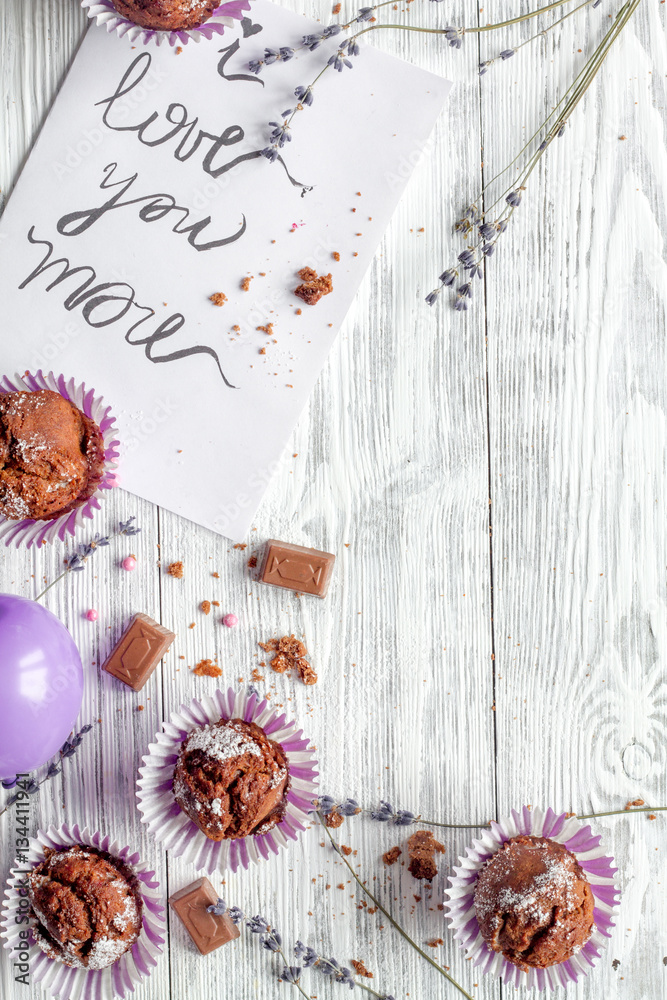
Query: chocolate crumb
pixel 290 654
pixel 207 668
pixel 346 850
pixel 218 298
pixel 175 569
pixel 252 562
pixel 360 969
pixel 333 820
pixel 313 287
pixel 391 856
pixel 422 848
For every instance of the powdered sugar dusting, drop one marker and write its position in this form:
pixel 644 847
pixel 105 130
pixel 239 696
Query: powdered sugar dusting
pixel 222 742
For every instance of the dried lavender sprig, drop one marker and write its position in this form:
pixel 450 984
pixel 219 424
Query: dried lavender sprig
pixel 269 937
pixel 376 902
pixel 68 749
pixel 76 562
pixel 383 813
pixel 508 53
pixel 334 970
pixel 555 125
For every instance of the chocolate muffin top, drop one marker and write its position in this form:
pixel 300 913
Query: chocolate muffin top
pixel 167 15
pixel 533 902
pixel 86 906
pixel 51 455
pixel 231 779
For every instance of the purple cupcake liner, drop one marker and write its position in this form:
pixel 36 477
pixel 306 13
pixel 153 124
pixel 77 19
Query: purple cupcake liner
pixel 176 831
pixel 59 980
pixel 28 531
pixel 222 17
pixel 599 869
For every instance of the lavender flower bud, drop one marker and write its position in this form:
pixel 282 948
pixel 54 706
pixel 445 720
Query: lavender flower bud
pixel 432 297
pixel 331 29
pixel 487 231
pixel 304 95
pixel 271 941
pixel 449 276
pixel 325 804
pixel 53 770
pixel 489 249
pixel 352 47
pixel 404 818
pixel 286 53
pixel 307 955
pixel 235 914
pixel 349 808
pixel 460 305
pixel 218 909
pixel 290 974
pixel 501 225
pixel 311 42
pixel 507 53
pixel 467 258
pixel 270 56
pixel 464 291
pixel 483 66
pixel 365 13
pixel 514 199
pixel 258 925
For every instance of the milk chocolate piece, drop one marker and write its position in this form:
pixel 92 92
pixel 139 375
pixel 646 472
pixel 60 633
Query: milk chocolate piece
pixel 295 567
pixel 206 930
pixel 138 651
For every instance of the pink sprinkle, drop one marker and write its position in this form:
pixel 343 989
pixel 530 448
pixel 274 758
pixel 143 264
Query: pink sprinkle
pixel 92 615
pixel 230 621
pixel 129 563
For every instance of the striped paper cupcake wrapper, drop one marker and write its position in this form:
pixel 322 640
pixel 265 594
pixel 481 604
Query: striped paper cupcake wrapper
pixel 56 979
pixel 176 831
pixel 105 14
pixel 599 869
pixel 29 532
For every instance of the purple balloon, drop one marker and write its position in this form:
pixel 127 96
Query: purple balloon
pixel 41 685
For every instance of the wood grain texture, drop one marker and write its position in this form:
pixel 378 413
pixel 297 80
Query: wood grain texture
pixel 547 400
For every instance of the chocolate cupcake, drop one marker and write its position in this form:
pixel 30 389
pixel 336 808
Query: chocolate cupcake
pixel 231 779
pixel 533 902
pixel 51 455
pixel 86 906
pixel 166 15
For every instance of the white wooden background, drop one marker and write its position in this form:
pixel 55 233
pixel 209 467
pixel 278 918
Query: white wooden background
pixel 543 414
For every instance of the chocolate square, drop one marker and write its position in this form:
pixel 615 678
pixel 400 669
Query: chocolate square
pixel 295 567
pixel 138 651
pixel 206 930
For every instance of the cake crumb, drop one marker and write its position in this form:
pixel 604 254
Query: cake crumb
pixel 175 569
pixel 216 576
pixel 268 329
pixel 207 668
pixel 140 708
pixel 422 848
pixel 360 968
pixel 336 8
pixel 313 287
pixel 218 298
pixel 435 942
pixel 240 545
pixel 633 803
pixel 245 284
pixel 347 851
pixel 178 50
pixel 336 255
pixel 252 562
pixel 206 607
pixel 391 856
pixel 333 819
pixel 297 312
pixel 290 654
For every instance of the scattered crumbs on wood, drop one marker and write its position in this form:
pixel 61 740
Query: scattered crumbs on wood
pixel 360 968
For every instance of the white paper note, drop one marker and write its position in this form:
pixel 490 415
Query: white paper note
pixel 130 182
